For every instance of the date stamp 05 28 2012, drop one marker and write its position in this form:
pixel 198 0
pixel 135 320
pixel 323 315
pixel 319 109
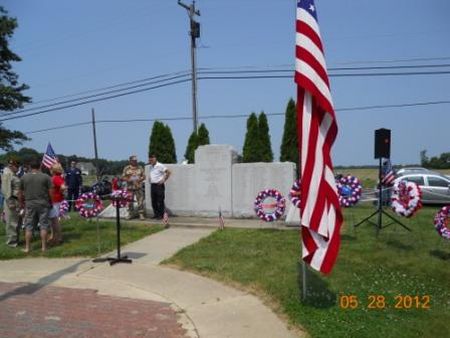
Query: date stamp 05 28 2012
pixel 378 302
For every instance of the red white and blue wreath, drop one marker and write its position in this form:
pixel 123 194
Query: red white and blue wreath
pixel 441 222
pixel 123 197
pixel 89 205
pixel 63 208
pixel 349 190
pixel 272 211
pixel 294 194
pixel 406 198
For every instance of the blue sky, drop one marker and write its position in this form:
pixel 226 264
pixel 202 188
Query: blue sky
pixel 69 47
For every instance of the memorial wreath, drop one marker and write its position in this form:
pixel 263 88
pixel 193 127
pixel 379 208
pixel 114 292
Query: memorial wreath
pixel 279 205
pixel 406 198
pixel 89 205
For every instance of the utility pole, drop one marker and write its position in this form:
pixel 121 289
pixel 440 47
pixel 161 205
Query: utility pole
pixel 194 33
pixel 95 145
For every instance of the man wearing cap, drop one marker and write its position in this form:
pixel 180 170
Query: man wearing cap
pixel 11 205
pixel 134 175
pixel 158 176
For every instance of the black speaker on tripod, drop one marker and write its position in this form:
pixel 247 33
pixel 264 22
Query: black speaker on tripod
pixel 383 143
pixel 382 150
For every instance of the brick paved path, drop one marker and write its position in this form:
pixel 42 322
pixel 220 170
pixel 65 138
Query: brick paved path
pixel 31 310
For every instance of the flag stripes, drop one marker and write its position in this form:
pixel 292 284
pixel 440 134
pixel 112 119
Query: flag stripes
pixel 49 158
pixel 321 216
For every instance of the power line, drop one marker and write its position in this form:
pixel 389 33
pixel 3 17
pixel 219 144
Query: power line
pixel 211 70
pixel 395 60
pixel 223 116
pixel 243 77
pixel 110 87
pixel 97 95
pixel 95 100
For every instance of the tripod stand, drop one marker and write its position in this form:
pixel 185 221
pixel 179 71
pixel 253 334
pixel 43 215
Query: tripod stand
pixel 119 258
pixel 380 211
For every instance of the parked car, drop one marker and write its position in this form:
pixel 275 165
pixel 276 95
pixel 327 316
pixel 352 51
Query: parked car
pixel 435 187
pixel 412 170
pixel 102 187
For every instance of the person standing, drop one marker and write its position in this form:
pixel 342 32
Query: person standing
pixel 73 183
pixel 159 174
pixel 11 205
pixel 35 196
pixel 58 188
pixel 134 175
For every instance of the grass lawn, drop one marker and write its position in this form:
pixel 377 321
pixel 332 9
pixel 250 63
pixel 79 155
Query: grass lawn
pixel 80 238
pixel 397 262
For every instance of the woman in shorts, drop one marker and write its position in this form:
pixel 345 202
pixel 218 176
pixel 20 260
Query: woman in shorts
pixel 57 195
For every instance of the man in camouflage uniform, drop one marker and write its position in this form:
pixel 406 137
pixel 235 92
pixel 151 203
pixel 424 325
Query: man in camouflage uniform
pixel 134 175
pixel 11 207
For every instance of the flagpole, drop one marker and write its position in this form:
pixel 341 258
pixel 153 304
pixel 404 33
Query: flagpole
pixel 95 145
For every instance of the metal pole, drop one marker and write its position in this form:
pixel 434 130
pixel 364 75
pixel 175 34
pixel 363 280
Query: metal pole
pixel 304 279
pixel 95 145
pixel 194 78
pixel 380 193
pixel 191 13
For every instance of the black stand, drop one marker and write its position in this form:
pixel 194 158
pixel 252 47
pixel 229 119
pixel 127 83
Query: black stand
pixel 380 211
pixel 119 258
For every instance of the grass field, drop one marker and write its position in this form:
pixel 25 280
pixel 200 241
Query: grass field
pixel 80 239
pixel 391 276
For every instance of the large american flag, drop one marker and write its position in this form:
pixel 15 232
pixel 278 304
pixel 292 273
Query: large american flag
pixel 321 216
pixel 387 173
pixel 49 158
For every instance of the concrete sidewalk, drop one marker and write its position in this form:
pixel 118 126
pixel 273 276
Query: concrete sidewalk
pixel 204 308
pixel 213 223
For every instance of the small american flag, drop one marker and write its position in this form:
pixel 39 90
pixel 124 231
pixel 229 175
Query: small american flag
pixel 387 173
pixel 165 218
pixel 49 158
pixel 321 216
pixel 221 221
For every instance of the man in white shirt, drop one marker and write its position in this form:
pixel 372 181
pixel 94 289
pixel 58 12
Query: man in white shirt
pixel 158 176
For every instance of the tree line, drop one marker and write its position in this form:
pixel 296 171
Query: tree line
pixel 436 162
pixel 257 145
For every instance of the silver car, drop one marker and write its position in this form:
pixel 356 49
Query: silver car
pixel 413 170
pixel 435 187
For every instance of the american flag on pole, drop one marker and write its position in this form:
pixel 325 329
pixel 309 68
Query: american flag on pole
pixel 221 221
pixel 49 158
pixel 387 173
pixel 321 216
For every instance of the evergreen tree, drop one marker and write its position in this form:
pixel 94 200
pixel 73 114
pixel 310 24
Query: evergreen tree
pixel 11 96
pixel 203 135
pixel 190 148
pixel 289 143
pixel 251 151
pixel 162 143
pixel 266 154
pixel 171 152
pixel 195 140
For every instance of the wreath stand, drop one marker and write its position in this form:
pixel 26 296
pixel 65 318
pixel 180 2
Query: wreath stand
pixel 119 258
pixel 380 211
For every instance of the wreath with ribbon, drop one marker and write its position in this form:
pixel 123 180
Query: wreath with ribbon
pixel 63 208
pixel 349 190
pixel 294 194
pixel 406 198
pixel 89 205
pixel 441 222
pixel 121 197
pixel 279 205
